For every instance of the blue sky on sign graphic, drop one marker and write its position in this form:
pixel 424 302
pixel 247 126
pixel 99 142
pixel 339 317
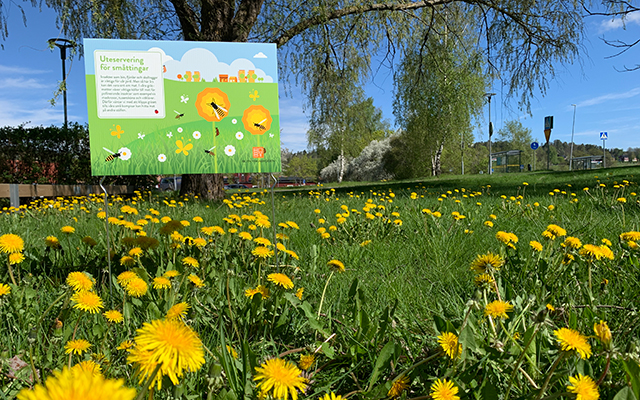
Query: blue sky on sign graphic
pixel 605 99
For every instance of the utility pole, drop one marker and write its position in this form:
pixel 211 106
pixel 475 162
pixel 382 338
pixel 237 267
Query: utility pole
pixel 63 45
pixel 490 133
pixel 573 128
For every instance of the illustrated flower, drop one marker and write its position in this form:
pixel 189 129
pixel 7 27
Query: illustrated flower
pixel 602 332
pixel 484 261
pixel 450 344
pixel 169 343
pixel 398 386
pixel 229 150
pixel 78 346
pixel 257 119
pixel 183 148
pixel 170 135
pixel 141 135
pixel 336 265
pixel 570 339
pixel 125 153
pixel 162 158
pixel 178 311
pixel 584 387
pixel 306 361
pixel 113 316
pixel 197 135
pixel 234 121
pixel 87 301
pixel 179 129
pixel 79 281
pixel 281 280
pixel 4 289
pixel 239 135
pixel 444 390
pixel 213 104
pixel 498 309
pixel 77 383
pixel 279 377
pixel 263 290
pixel 11 243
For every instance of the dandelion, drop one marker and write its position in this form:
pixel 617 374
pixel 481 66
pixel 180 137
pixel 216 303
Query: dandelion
pixel 78 383
pixel 137 287
pixel 190 262
pixel 630 236
pixel 195 279
pixel 263 290
pixel 280 280
pixel 293 225
pixel 365 243
pixel 113 316
pixel 161 282
pixel 4 289
pixel 11 243
pixel 88 366
pixel 572 242
pixel 172 273
pixel 126 277
pixel 483 262
pixel 336 265
pixel 443 389
pixel 591 251
pixel 550 307
pixel 570 339
pixel 263 223
pixel 178 311
pixel 488 223
pixel 484 280
pixel 498 309
pixel 170 344
pixel 262 252
pixel 87 301
pixel 602 332
pixel 584 387
pixel 16 258
pixel 280 377
pixel 450 344
pixel 67 229
pixel 535 245
pixel 398 386
pixel 606 252
pixel 135 252
pixel 262 241
pixel 125 345
pixel 306 361
pixel 76 346
pixel 127 261
pixel 556 230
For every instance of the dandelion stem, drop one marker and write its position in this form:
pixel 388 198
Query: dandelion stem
pixel 606 370
pixel 33 366
pixel 550 374
pixel 148 382
pixel 517 366
pixel 73 337
pixel 13 280
pixel 323 293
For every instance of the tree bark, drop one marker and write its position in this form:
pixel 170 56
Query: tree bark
pixel 206 186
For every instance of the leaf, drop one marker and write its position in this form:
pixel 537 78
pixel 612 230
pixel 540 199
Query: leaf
pixel 441 324
pixel 313 322
pixel 328 350
pixel 381 362
pixel 489 391
pixel 625 394
pixel 633 370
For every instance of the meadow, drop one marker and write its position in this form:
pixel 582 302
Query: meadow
pixel 520 286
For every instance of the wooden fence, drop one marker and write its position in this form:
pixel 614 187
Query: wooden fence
pixel 16 191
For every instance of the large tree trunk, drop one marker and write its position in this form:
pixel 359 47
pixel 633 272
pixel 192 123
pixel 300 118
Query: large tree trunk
pixel 205 186
pixel 436 164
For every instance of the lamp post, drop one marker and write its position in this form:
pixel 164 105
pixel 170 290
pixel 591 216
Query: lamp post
pixel 490 132
pixel 63 45
pixel 573 128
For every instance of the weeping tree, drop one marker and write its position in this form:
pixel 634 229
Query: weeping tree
pixel 523 40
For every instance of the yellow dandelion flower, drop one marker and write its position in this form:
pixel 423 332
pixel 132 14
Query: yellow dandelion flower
pixel 190 262
pixel 16 258
pixel 306 361
pixel 89 366
pixel 245 236
pixel 262 241
pixel 488 223
pixel 263 223
pixel 169 343
pixel 197 219
pixel 125 345
pixel 279 377
pixel 570 339
pixel 602 332
pixel 606 242
pixel 630 236
pixel 11 243
pixel 172 273
pixel 293 225
pixel 78 346
pixel 498 309
pixel 135 252
pixel 331 396
pixel 606 252
pixel 136 287
pixel 80 281
pixel 483 262
pixel 4 289
pixel 572 242
pixel 195 279
pixel 281 280
pixel 292 253
pixel 178 311
pixel 591 251
pixel 52 242
pixel 67 229
pixel 584 387
pixel 263 290
pixel 125 277
pixel 443 389
pixel 398 386
pixel 556 230
pixel 299 293
pixel 484 281
pixel 113 316
pixel 87 301
pixel 127 261
pixel 450 344
pixel 78 384
pixel 336 265
pixel 366 242
pixel 550 307
pixel 161 282
pixel 535 245
pixel 262 252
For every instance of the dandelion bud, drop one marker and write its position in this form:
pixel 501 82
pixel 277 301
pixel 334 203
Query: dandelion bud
pixel 603 333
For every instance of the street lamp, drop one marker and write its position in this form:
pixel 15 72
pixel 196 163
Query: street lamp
pixel 490 132
pixel 573 128
pixel 63 45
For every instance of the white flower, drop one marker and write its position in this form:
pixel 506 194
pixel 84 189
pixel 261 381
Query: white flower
pixel 141 135
pixel 125 153
pixel 180 130
pixel 234 121
pixel 170 135
pixel 162 158
pixel 197 135
pixel 239 135
pixel 184 99
pixel 271 135
pixel 230 150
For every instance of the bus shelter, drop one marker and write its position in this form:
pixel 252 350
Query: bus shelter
pixel 587 162
pixel 507 161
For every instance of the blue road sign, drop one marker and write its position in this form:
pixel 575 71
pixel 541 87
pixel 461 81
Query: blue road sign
pixel 534 145
pixel 604 136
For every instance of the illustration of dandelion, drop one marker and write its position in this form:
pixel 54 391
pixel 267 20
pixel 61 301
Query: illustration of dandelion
pixel 197 135
pixel 125 153
pixel 230 150
pixel 239 135
pixel 162 158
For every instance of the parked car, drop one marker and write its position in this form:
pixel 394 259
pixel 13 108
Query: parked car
pixel 235 186
pixel 169 183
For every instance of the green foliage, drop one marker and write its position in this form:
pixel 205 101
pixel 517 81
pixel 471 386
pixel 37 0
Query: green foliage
pixel 302 165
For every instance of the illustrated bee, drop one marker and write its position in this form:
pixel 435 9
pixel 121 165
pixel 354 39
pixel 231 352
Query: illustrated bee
pixel 111 156
pixel 210 152
pixel 220 111
pixel 178 114
pixel 259 125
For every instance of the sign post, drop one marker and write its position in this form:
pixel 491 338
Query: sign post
pixel 604 136
pixel 534 147
pixel 548 125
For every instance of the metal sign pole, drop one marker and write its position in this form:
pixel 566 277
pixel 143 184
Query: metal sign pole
pixel 604 162
pixel 106 220
pixel 273 223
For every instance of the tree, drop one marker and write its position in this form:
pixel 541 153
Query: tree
pixel 518 137
pixel 524 40
pixel 303 166
pixel 440 89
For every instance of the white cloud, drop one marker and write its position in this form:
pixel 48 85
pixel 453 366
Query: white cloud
pixel 22 84
pixel 260 55
pixel 6 69
pixel 207 64
pixel 610 96
pixel 34 112
pixel 165 57
pixel 617 23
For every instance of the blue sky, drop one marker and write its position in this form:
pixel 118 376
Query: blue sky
pixel 606 100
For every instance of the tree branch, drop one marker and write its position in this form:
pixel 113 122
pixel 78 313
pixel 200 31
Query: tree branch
pixel 188 19
pixel 245 18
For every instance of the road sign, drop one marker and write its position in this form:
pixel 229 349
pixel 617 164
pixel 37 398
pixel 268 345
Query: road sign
pixel 547 134
pixel 548 122
pixel 604 136
pixel 534 145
